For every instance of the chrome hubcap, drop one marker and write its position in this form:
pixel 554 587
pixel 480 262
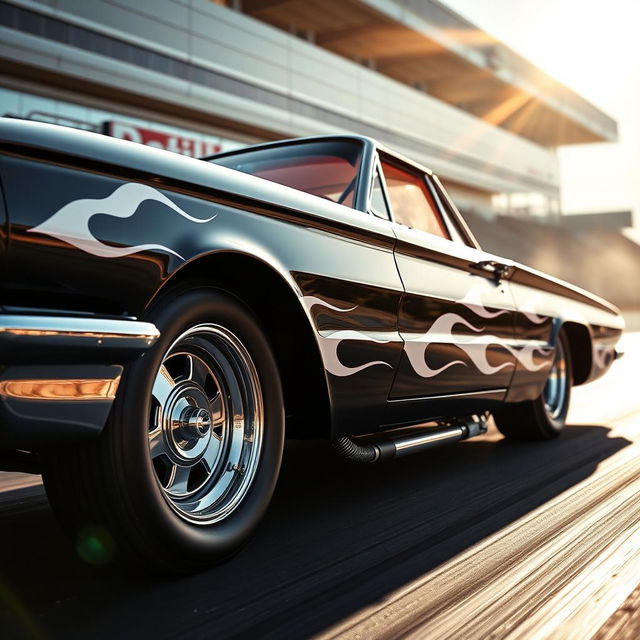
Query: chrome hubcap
pixel 195 422
pixel 206 424
pixel 555 390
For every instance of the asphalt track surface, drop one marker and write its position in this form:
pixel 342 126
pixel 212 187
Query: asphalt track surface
pixel 479 539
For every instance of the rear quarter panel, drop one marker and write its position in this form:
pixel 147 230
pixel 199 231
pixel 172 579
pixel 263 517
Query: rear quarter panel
pixel 546 305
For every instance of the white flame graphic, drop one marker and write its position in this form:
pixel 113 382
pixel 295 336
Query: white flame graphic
pixel 71 222
pixel 475 347
pixel 329 346
pixel 528 308
pixel 329 343
pixel 473 300
pixel 310 301
pixel 525 354
pixel 440 332
pixel 416 347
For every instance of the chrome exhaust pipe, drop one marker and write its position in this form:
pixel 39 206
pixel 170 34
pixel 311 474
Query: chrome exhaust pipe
pixel 389 448
pixel 413 444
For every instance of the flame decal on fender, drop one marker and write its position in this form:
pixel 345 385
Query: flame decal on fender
pixel 329 343
pixel 310 301
pixel 71 222
pixel 329 346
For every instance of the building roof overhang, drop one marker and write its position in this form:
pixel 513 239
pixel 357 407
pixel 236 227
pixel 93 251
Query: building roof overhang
pixel 426 45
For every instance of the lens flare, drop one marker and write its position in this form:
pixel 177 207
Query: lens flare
pixel 96 546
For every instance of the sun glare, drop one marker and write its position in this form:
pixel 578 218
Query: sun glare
pixel 586 47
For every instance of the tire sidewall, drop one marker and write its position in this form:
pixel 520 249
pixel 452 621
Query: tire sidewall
pixel 179 542
pixel 555 425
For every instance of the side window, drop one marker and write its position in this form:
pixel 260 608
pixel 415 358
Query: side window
pixel 412 202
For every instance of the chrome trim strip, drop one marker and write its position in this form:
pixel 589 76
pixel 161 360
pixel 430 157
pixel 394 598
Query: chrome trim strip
pixel 60 389
pixel 450 395
pixel 100 328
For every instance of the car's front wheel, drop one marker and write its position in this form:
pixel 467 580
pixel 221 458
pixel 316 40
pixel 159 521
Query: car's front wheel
pixel 544 417
pixel 188 461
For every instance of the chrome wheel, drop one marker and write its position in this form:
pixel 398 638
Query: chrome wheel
pixel 555 391
pixel 206 424
pixel 189 457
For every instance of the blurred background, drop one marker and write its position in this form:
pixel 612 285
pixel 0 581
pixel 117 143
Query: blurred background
pixel 526 109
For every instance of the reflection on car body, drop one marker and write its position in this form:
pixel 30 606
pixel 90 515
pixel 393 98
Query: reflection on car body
pixel 314 287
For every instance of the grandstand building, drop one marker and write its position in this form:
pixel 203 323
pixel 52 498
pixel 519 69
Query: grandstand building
pixel 197 76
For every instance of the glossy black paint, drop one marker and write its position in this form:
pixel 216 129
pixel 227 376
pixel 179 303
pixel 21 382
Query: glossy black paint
pixel 367 286
pixel 58 274
pixel 370 313
pixel 458 313
pixel 404 411
pixel 418 314
pixel 526 383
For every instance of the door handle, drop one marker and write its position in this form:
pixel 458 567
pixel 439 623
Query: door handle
pixel 498 270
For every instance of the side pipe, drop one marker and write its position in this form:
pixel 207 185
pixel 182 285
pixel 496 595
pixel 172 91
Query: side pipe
pixel 389 448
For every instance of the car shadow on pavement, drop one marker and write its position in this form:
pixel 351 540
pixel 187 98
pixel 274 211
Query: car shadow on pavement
pixel 337 538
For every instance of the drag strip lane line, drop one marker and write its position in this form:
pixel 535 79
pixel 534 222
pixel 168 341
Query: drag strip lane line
pixel 492 587
pixel 502 598
pixel 451 606
pixel 366 568
pixel 342 580
pixel 532 591
pixel 607 584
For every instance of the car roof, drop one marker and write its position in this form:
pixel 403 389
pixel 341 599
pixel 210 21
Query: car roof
pixel 291 141
pixel 366 140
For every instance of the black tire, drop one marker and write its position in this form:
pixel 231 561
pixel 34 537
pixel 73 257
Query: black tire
pixel 542 418
pixel 120 503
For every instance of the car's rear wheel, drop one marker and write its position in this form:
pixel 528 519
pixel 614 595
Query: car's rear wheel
pixel 188 461
pixel 544 417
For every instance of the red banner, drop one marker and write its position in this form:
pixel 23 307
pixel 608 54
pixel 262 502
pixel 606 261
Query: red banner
pixel 194 147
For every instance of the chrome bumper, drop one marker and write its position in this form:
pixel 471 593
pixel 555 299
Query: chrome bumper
pixel 74 338
pixel 60 374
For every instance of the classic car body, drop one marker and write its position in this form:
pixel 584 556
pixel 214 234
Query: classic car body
pixel 373 325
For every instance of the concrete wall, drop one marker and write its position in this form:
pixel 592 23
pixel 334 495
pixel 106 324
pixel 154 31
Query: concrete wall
pixel 602 261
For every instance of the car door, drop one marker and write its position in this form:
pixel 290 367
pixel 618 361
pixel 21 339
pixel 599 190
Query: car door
pixel 456 316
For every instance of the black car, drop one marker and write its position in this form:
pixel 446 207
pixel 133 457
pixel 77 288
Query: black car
pixel 166 322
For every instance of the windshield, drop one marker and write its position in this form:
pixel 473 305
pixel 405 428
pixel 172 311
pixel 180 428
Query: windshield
pixel 328 169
